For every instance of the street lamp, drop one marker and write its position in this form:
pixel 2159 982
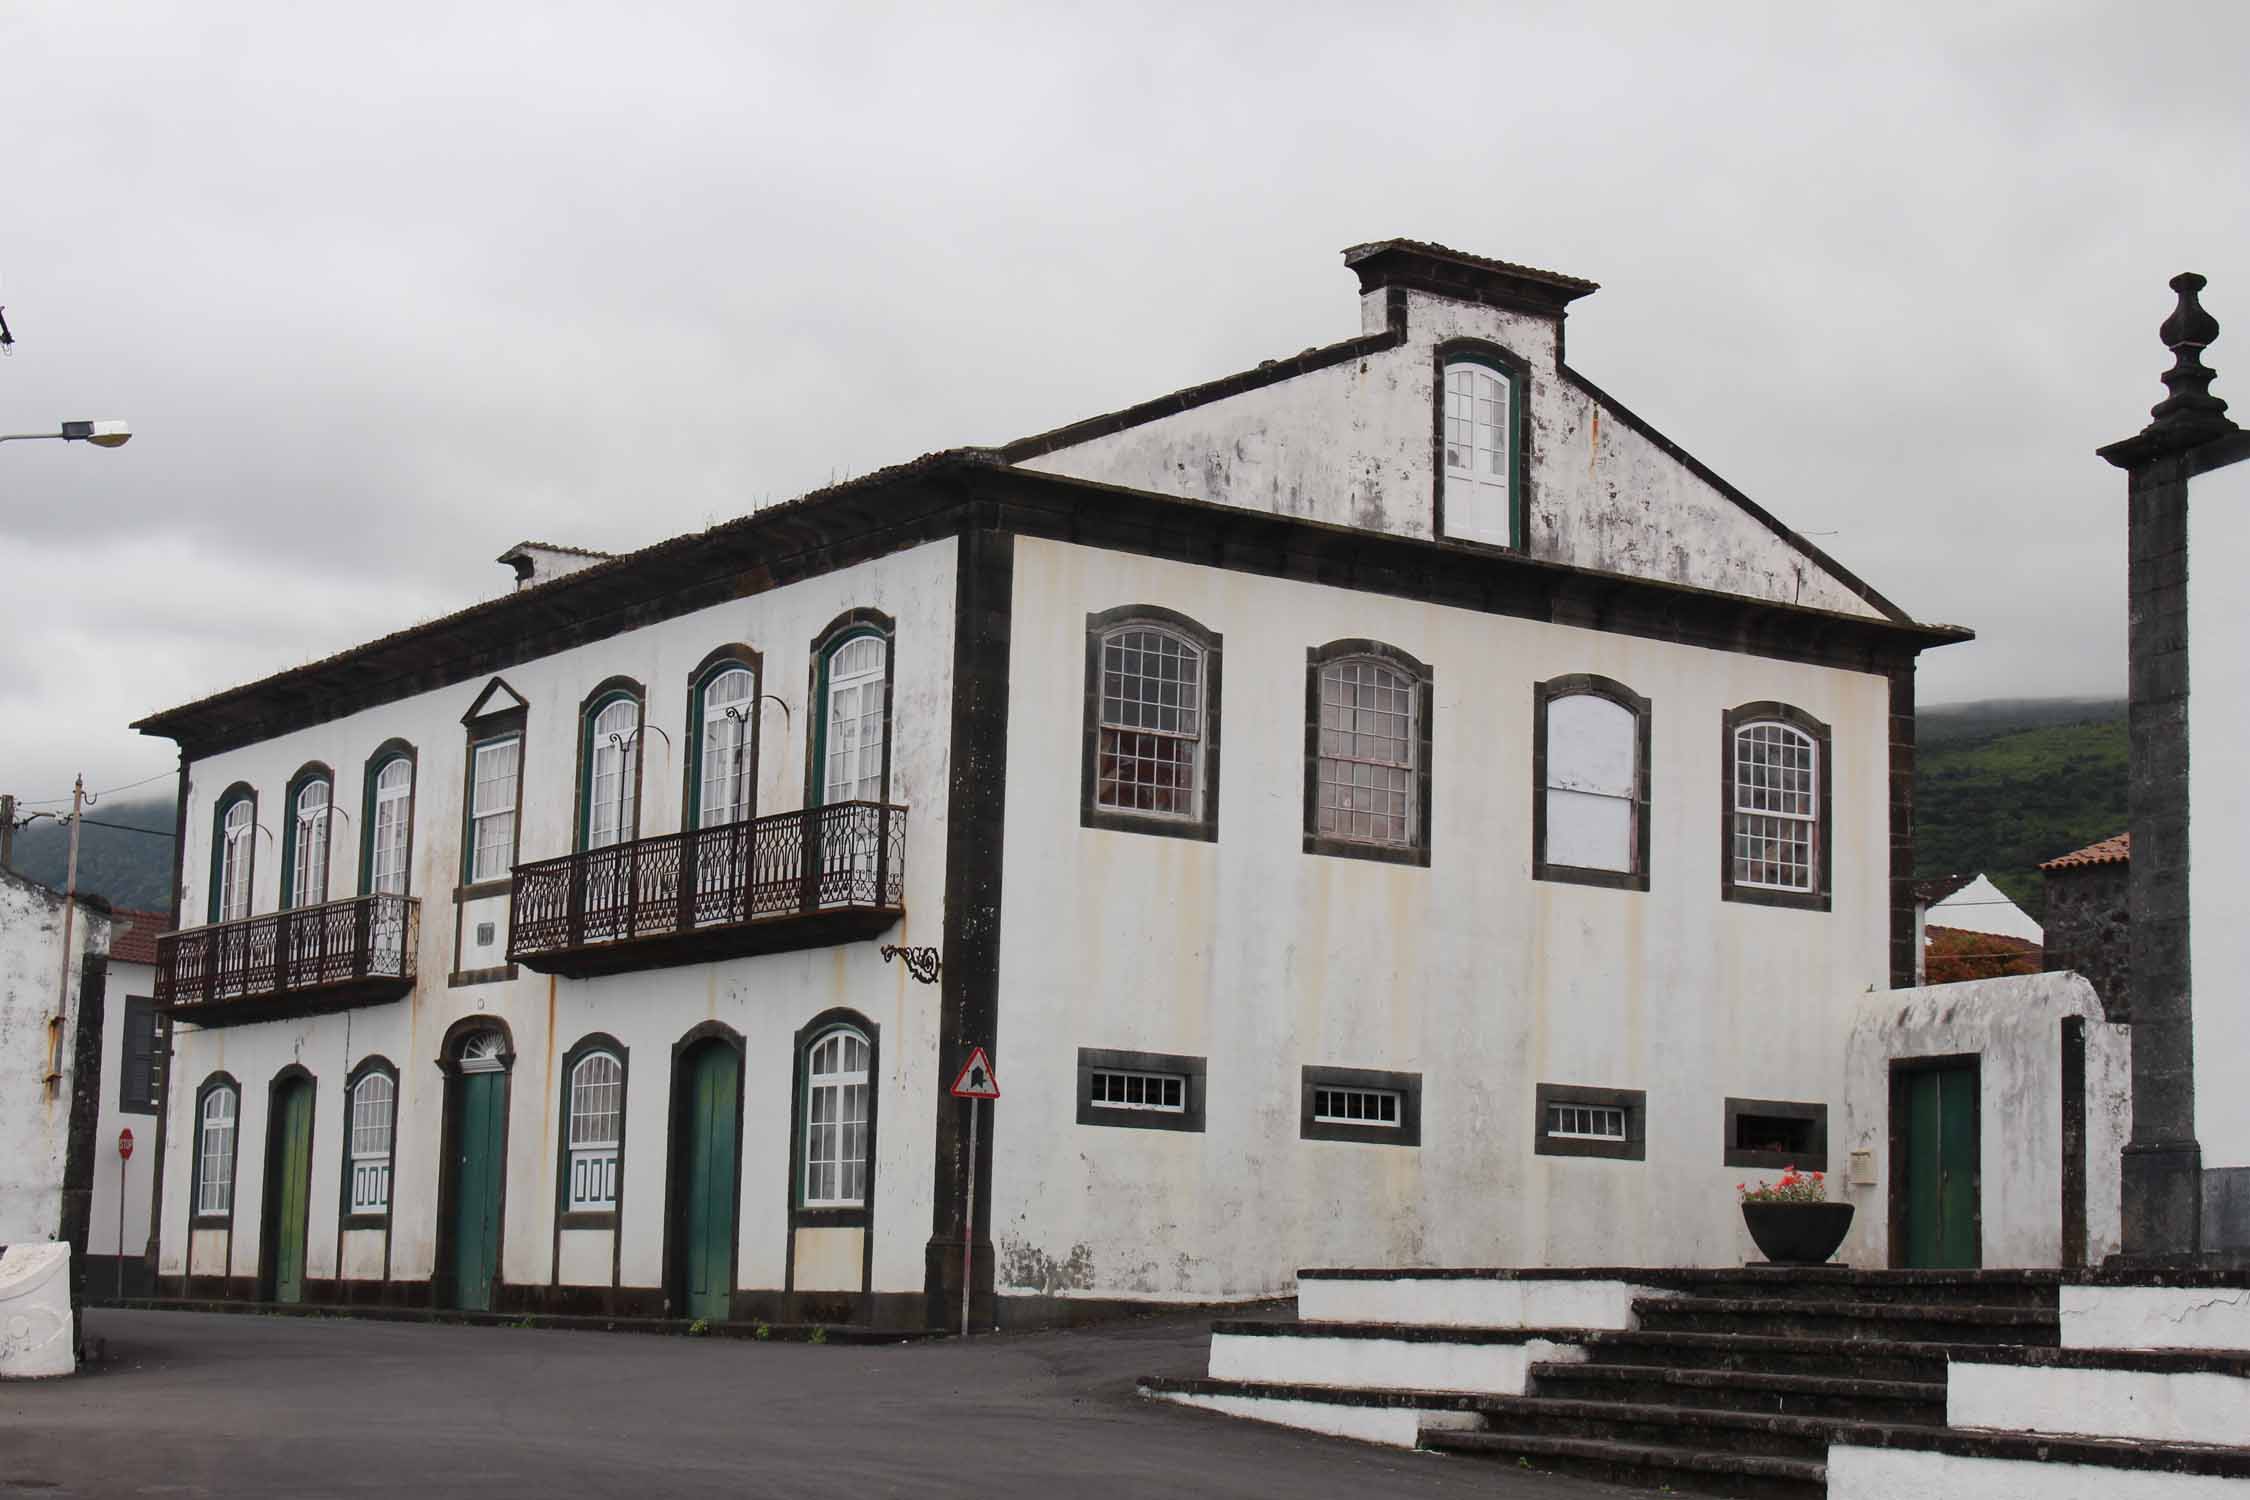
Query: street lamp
pixel 111 434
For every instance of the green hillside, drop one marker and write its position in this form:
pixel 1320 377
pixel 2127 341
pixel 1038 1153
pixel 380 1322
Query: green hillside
pixel 127 869
pixel 2000 786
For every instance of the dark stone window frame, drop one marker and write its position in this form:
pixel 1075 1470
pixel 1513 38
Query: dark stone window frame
pixel 609 690
pixel 241 791
pixel 1634 1102
pixel 1518 372
pixel 809 1036
pixel 373 1065
pixel 731 657
pixel 377 763
pixel 1408 1086
pixel 585 1047
pixel 482 728
pixel 1192 1070
pixel 1762 711
pixel 308 773
pixel 1416 850
pixel 1813 1159
pixel 1100 624
pixel 197 1219
pixel 1588 684
pixel 140 1014
pixel 833 637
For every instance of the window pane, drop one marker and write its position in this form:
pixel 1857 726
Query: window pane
pixel 1776 798
pixel 854 750
pixel 724 795
pixel 1589 832
pixel 1368 749
pixel 614 755
pixel 394 787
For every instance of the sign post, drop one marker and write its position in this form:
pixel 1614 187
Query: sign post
pixel 124 1155
pixel 976 1083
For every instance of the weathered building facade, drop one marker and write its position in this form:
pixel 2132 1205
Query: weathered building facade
pixel 1390 805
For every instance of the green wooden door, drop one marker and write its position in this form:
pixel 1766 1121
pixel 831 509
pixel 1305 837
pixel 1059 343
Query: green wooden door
pixel 1941 1124
pixel 291 1156
pixel 476 1188
pixel 707 1183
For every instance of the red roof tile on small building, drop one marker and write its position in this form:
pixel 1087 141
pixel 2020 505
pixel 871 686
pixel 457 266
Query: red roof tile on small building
pixel 2114 850
pixel 133 940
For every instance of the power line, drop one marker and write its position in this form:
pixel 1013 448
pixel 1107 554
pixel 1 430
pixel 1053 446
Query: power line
pixel 154 833
pixel 94 796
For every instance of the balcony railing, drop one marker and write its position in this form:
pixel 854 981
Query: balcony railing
pixel 793 880
pixel 330 957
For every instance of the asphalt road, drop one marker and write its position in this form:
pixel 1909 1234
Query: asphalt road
pixel 196 1404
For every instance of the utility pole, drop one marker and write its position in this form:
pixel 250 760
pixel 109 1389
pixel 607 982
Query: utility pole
pixel 70 911
pixel 7 831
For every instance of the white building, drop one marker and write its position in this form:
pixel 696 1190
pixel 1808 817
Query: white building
pixel 134 1043
pixel 1390 805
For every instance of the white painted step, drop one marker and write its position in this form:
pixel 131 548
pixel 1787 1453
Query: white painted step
pixel 2150 1396
pixel 1393 1418
pixel 1387 1357
pixel 1467 1299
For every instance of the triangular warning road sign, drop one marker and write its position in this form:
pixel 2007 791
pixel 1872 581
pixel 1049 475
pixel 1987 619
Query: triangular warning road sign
pixel 976 1080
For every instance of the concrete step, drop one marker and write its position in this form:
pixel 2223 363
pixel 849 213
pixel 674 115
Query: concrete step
pixel 1648 1466
pixel 1844 1284
pixel 1785 1317
pixel 1386 1356
pixel 1470 1298
pixel 1850 1398
pixel 1704 1428
pixel 1396 1418
pixel 1864 1359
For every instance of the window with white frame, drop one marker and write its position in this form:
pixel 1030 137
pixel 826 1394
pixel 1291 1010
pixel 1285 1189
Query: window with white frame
pixel 1369 748
pixel 723 795
pixel 1114 1088
pixel 387 840
pixel 1347 1106
pixel 374 1115
pixel 852 721
pixel 1591 750
pixel 308 844
pixel 237 829
pixel 613 758
pixel 214 1180
pixel 1776 807
pixel 492 808
pixel 1149 753
pixel 597 1123
pixel 836 1098
pixel 1585 1122
pixel 1479 425
pixel 1573 1120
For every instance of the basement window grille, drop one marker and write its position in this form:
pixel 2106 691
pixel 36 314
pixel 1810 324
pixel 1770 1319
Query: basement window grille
pixel 1585 1122
pixel 1334 1106
pixel 1157 1091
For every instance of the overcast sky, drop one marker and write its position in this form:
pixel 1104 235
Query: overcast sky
pixel 384 290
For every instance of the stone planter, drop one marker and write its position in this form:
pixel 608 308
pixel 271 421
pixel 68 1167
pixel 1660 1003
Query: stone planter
pixel 1798 1234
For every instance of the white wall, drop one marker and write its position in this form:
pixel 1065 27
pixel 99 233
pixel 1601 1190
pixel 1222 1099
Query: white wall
pixel 1262 958
pixel 1351 445
pixel 128 1194
pixel 34 1122
pixel 765 998
pixel 2014 1026
pixel 2219 846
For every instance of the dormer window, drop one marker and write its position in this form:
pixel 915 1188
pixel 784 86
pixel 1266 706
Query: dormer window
pixel 1480 414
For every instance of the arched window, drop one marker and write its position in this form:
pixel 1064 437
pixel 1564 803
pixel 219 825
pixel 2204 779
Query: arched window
pixel 613 762
pixel 391 816
pixel 234 853
pixel 1368 732
pixel 1151 723
pixel 1590 762
pixel 596 1127
pixel 1777 806
pixel 216 1118
pixel 1480 418
pixel 726 747
pixel 854 677
pixel 836 1120
pixel 374 1117
pixel 307 857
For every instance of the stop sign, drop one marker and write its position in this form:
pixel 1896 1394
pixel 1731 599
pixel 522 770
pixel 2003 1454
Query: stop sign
pixel 125 1143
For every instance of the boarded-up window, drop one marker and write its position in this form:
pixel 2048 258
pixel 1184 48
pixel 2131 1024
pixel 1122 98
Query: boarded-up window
pixel 1593 783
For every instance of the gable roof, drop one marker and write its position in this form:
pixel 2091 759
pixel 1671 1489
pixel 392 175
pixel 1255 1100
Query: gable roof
pixel 133 939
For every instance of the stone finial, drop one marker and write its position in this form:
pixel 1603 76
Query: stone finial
pixel 2189 414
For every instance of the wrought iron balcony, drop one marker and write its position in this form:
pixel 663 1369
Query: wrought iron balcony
pixel 807 879
pixel 288 963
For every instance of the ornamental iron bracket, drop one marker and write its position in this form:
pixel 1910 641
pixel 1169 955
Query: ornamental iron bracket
pixel 922 963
